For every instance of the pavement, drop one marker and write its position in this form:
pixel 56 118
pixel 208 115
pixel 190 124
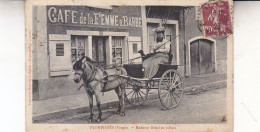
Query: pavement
pixel 71 104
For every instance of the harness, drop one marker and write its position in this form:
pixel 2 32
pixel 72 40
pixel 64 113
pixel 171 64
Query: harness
pixel 103 80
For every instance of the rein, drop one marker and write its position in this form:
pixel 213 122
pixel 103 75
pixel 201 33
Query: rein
pixel 93 72
pixel 92 75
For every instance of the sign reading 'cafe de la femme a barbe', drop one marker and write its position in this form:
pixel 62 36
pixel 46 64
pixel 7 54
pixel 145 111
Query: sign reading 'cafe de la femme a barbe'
pixel 91 18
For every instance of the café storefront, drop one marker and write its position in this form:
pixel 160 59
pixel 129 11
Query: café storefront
pixel 108 36
pixel 111 35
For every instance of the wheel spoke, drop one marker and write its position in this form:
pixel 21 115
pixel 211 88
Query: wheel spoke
pixel 141 96
pixel 178 84
pixel 176 94
pixel 142 92
pixel 171 98
pixel 130 93
pixel 167 79
pixel 170 78
pixel 165 84
pixel 166 97
pixel 137 97
pixel 173 78
pixel 174 99
pixel 164 93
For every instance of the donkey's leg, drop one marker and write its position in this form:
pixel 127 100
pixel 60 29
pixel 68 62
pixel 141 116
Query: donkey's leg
pixel 119 102
pixel 99 106
pixel 122 100
pixel 90 98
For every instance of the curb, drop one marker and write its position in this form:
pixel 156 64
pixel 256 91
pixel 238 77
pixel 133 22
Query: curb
pixel 188 90
pixel 208 86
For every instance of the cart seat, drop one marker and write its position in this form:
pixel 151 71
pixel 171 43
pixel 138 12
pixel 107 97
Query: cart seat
pixel 135 70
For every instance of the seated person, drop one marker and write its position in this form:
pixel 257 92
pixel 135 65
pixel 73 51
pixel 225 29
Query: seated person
pixel 159 54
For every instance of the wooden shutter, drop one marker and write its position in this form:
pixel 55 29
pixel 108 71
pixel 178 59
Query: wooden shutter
pixel 134 47
pixel 60 55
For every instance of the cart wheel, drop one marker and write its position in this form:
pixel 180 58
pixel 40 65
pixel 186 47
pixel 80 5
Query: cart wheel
pixel 135 95
pixel 170 89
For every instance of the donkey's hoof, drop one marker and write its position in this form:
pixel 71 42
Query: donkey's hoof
pixel 122 113
pixel 90 119
pixel 98 120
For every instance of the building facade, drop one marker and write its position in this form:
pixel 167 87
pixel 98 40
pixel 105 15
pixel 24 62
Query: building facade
pixel 115 34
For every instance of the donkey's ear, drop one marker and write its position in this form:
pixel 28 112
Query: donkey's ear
pixel 83 66
pixel 84 60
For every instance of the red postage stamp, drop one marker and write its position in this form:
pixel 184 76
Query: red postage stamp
pixel 216 18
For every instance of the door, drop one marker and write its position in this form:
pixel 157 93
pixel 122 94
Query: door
pixel 205 56
pixel 201 55
pixel 170 34
pixel 151 34
pixel 99 50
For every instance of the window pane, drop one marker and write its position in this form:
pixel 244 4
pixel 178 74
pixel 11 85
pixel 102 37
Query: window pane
pixel 81 53
pixel 73 55
pixel 119 42
pixel 113 52
pixel 80 42
pixel 113 42
pixel 73 44
pixel 119 61
pixel 60 49
pixel 118 52
pixel 134 48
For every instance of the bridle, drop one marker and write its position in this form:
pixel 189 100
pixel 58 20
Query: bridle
pixel 81 75
pixel 92 70
pixel 91 76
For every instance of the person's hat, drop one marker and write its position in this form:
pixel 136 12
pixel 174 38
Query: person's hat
pixel 159 29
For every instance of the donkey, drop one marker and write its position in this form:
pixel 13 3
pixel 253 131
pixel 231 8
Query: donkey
pixel 97 80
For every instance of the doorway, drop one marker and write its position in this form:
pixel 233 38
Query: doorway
pixel 201 57
pixel 170 34
pixel 99 50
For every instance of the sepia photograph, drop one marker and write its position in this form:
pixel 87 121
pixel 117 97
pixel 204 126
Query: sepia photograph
pixel 129 67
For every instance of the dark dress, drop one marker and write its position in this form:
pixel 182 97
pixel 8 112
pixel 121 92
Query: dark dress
pixel 151 64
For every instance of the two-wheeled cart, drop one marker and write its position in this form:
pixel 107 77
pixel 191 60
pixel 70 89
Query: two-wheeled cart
pixel 167 80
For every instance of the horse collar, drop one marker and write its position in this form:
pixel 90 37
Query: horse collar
pixel 92 76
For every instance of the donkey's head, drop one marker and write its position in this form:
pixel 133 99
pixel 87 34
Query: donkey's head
pixel 81 67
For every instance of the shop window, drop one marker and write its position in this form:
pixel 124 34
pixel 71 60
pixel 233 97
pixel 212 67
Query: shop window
pixel 78 47
pixel 60 49
pixel 117 49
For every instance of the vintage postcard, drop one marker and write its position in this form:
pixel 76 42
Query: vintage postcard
pixel 163 65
